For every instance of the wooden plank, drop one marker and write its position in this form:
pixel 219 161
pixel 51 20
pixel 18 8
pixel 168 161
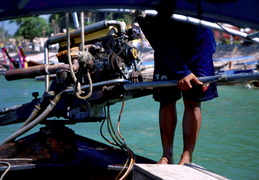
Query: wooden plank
pixel 176 172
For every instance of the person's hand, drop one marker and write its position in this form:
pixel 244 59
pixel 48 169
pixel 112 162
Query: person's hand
pixel 186 82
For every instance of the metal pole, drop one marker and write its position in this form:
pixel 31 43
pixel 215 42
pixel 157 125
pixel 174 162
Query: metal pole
pixel 208 79
pixel 207 24
pixel 75 19
pixel 46 61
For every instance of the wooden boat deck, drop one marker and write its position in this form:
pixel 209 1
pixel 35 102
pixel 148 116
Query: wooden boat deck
pixel 175 172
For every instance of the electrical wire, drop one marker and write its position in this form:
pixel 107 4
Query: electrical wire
pixel 129 151
pixel 115 143
pixel 226 31
pixel 118 140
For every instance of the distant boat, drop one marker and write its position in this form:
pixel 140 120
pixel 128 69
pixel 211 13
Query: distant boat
pixel 18 62
pixel 236 65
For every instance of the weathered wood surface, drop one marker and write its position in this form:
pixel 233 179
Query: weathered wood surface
pixel 175 172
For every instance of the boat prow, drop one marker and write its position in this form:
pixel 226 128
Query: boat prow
pixel 56 152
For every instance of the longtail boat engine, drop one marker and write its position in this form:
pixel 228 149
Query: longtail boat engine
pixel 105 58
pixel 89 75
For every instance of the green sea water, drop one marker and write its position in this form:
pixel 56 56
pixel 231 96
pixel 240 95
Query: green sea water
pixel 228 143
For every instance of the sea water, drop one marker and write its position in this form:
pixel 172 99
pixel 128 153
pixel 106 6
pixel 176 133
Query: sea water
pixel 228 142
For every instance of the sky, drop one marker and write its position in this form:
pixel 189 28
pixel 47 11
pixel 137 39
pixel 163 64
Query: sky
pixel 12 27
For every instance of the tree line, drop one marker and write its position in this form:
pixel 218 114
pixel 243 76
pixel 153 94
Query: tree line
pixel 31 27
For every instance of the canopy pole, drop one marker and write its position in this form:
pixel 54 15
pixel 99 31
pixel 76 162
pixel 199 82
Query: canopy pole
pixel 208 24
pixel 75 19
pixel 46 62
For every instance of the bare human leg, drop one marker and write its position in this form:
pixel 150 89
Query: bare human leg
pixel 191 125
pixel 167 122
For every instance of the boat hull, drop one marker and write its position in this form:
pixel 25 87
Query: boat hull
pixel 56 152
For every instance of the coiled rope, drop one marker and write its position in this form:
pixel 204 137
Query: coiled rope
pixel 78 90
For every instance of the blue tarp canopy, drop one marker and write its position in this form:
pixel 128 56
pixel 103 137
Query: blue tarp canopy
pixel 243 13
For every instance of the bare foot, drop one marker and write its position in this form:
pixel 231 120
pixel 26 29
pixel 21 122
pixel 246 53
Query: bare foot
pixel 164 160
pixel 184 159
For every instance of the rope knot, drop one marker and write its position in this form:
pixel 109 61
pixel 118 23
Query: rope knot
pixel 86 60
